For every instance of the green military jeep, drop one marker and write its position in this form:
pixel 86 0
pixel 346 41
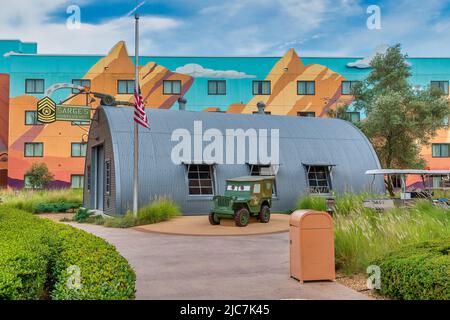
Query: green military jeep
pixel 244 197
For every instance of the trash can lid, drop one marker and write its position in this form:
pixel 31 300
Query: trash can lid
pixel 299 218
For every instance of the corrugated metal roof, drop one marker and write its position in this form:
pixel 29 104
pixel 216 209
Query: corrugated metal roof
pixel 302 140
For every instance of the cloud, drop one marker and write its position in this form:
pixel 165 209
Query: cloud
pixel 197 71
pixel 365 62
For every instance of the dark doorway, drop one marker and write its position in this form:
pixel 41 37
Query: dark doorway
pixel 97 176
pixel 3 178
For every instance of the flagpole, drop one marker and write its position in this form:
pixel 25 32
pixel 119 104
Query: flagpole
pixel 136 126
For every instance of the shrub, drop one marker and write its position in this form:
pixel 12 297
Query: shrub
pixel 35 255
pixel 81 215
pixel 418 272
pixel 161 209
pixel 29 200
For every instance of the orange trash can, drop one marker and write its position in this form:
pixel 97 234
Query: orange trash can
pixel 311 246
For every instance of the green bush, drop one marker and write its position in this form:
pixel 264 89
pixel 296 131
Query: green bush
pixel 417 272
pixel 35 255
pixel 30 200
pixel 161 209
pixel 82 215
pixel 55 207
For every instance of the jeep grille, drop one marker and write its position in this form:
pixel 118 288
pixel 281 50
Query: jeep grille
pixel 223 202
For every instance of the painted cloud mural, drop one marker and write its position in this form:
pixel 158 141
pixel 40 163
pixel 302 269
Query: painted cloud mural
pixel 197 71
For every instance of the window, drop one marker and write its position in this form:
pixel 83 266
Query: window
pixel 353 116
pixel 217 87
pixel 265 112
pixel 77 181
pixel 306 114
pixel 261 87
pixel 446 121
pixel 306 87
pixel 347 86
pixel 34 149
pixel 31 118
pixel 82 83
pixel 264 170
pixel 319 179
pixel 200 178
pixel 88 170
pixel 80 123
pixel 35 86
pixel 78 149
pixel 125 86
pixel 441 150
pixel 172 87
pixel 107 176
pixel 443 85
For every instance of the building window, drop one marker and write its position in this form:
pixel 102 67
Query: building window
pixel 81 82
pixel 445 121
pixel 88 185
pixel 77 181
pixel 34 86
pixel 306 114
pixel 80 123
pixel 108 176
pixel 200 179
pixel 125 86
pixel 353 116
pixel 172 87
pixel 306 88
pixel 264 170
pixel 31 118
pixel 261 87
pixel 265 112
pixel 347 86
pixel 217 87
pixel 441 150
pixel 442 85
pixel 78 149
pixel 319 180
pixel 34 149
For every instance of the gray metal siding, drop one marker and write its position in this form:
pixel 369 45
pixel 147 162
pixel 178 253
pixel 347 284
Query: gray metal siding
pixel 302 140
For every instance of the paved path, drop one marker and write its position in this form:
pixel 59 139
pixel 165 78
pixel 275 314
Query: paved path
pixel 202 267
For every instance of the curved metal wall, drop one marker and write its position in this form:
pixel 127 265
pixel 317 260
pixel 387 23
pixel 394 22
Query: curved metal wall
pixel 302 140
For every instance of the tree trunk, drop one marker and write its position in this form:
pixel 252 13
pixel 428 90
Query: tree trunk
pixel 389 186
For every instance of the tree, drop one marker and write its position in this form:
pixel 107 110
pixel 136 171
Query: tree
pixel 38 176
pixel 399 119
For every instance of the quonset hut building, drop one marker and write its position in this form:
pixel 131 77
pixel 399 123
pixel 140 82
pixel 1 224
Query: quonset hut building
pixel 315 155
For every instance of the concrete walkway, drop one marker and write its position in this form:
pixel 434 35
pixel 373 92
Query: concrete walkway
pixel 202 267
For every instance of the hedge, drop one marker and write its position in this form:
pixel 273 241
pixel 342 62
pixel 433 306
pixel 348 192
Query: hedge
pixel 417 272
pixel 35 255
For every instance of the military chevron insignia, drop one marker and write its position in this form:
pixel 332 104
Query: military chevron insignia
pixel 46 110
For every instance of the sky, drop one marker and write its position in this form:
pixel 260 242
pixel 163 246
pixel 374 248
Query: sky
pixel 231 27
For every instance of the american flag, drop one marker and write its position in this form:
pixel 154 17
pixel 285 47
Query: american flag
pixel 139 109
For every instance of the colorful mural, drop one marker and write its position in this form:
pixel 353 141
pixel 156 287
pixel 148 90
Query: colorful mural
pixel 194 74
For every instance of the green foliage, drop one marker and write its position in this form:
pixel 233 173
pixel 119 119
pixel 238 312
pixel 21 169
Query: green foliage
pixel 35 255
pixel 36 200
pixel 417 272
pixel 312 202
pixel 161 209
pixel 363 235
pixel 399 119
pixel 39 176
pixel 81 215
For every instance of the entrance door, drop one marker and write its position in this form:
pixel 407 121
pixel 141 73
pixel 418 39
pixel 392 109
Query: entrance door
pixel 98 162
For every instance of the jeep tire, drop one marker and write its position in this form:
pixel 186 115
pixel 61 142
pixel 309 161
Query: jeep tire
pixel 213 219
pixel 241 217
pixel 264 214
